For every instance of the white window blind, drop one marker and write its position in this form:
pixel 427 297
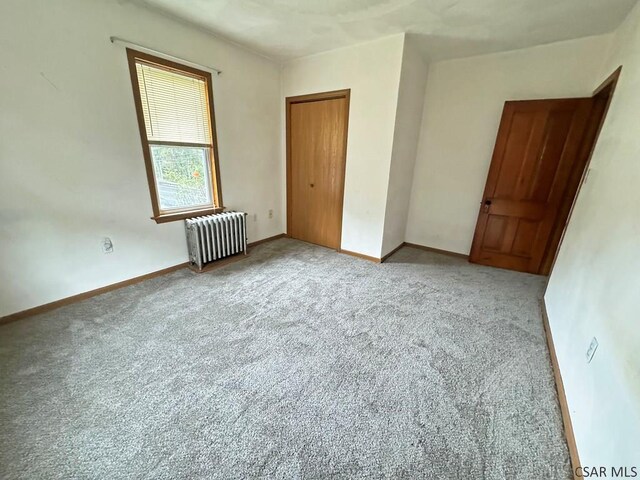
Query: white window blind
pixel 175 105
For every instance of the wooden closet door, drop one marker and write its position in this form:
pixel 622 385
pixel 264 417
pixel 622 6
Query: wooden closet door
pixel 317 133
pixel 538 146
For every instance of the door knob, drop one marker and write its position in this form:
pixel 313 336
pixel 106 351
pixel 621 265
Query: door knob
pixel 487 205
pixel 311 185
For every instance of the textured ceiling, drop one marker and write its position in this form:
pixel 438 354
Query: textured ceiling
pixel 285 29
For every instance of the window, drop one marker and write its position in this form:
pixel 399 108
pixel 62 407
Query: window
pixel 174 104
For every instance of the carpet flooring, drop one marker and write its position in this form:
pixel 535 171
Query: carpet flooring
pixel 296 362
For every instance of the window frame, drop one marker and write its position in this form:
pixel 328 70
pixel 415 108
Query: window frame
pixel 214 169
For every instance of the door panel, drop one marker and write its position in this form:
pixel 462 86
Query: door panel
pixel 317 146
pixel 494 233
pixel 537 147
pixel 525 230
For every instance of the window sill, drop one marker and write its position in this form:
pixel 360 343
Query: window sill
pixel 173 217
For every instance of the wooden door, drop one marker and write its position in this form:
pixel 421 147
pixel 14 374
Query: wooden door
pixel 316 154
pixel 537 148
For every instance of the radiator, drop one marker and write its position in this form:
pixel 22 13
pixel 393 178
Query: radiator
pixel 216 236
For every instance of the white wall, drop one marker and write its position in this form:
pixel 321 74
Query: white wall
pixel 594 290
pixel 372 72
pixel 71 167
pixel 413 79
pixel 463 104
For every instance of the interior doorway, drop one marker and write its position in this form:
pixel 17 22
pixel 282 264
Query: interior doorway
pixel 540 158
pixel 317 127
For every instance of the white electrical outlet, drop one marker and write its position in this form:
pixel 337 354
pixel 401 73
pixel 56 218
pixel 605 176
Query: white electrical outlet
pixel 255 217
pixel 270 213
pixel 593 346
pixel 107 245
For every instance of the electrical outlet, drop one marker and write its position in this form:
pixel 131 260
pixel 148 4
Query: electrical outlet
pixel 107 245
pixel 593 346
pixel 255 217
pixel 270 213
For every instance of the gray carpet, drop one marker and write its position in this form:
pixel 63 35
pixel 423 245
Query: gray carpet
pixel 296 362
